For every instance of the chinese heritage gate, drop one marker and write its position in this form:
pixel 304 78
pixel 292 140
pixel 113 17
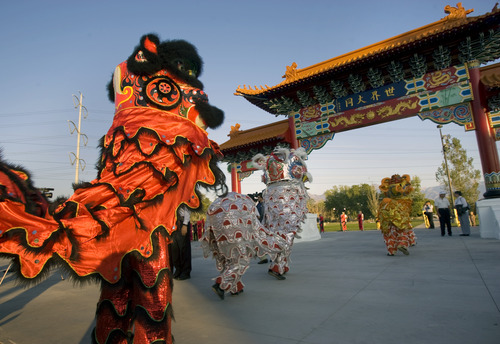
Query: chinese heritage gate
pixel 432 72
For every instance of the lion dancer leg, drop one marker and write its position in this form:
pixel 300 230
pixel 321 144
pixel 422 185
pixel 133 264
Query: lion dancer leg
pixel 280 265
pixel 390 239
pixel 285 211
pixel 412 238
pixel 231 276
pixel 137 310
pixel 403 241
pixel 232 270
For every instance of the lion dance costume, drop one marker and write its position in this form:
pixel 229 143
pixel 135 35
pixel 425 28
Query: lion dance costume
pixel 394 214
pixel 285 198
pixel 234 233
pixel 116 228
pixel 233 236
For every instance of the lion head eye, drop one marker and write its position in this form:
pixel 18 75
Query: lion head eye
pixel 140 57
pixel 181 65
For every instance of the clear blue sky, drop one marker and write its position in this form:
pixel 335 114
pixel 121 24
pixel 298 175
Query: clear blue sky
pixel 54 49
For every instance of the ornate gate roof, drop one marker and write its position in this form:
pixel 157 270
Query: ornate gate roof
pixel 454 39
pixel 244 144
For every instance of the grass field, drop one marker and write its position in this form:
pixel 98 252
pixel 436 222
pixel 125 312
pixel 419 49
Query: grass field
pixel 353 226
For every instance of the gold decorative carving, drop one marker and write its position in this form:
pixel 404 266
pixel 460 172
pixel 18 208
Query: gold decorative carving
pixel 291 72
pixel 243 175
pixel 347 120
pixel 383 112
pixel 310 112
pixel 458 12
pixel 387 111
pixel 235 129
pixel 438 78
pixel 370 115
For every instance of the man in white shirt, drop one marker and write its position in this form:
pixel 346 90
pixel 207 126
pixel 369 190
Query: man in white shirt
pixel 180 248
pixel 429 213
pixel 443 206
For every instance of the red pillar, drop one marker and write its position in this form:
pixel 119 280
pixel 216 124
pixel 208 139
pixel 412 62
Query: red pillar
pixel 484 135
pixel 235 181
pixel 238 183
pixel 291 125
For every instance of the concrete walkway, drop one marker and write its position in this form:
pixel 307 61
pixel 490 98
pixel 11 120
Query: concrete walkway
pixel 340 289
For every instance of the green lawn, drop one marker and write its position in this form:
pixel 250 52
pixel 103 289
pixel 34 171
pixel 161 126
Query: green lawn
pixel 353 226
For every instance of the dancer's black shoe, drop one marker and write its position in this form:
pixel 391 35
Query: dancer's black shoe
pixel 276 275
pixel 404 250
pixel 220 293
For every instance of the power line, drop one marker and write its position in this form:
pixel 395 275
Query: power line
pixel 34 112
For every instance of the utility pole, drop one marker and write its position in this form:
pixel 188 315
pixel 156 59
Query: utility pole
pixel 446 165
pixel 78 104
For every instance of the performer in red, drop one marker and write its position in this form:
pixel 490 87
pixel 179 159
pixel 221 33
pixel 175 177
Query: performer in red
pixel 116 228
pixel 343 221
pixel 361 218
pixel 321 224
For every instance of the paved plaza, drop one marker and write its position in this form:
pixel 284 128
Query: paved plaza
pixel 341 289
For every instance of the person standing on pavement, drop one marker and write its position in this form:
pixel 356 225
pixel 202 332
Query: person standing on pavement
pixel 462 208
pixel 472 218
pixel 361 218
pixel 180 248
pixel 443 206
pixel 343 221
pixel 321 224
pixel 429 213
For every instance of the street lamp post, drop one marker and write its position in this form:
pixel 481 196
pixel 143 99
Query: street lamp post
pixel 446 164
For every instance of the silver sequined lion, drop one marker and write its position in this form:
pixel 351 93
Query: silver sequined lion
pixel 234 234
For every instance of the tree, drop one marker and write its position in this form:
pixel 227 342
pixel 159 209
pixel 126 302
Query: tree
pixel 417 196
pixel 316 207
pixel 462 173
pixel 350 199
pixel 373 200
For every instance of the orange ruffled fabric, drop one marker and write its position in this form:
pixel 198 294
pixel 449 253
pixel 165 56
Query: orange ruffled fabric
pixel 151 163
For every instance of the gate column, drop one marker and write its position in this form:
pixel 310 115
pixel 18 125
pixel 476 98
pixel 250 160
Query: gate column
pixel 235 180
pixel 484 135
pixel 488 208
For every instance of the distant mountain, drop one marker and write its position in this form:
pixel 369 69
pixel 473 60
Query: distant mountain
pixel 318 198
pixel 431 192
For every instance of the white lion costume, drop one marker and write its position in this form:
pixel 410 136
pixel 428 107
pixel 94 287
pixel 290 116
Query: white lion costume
pixel 234 234
pixel 285 198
